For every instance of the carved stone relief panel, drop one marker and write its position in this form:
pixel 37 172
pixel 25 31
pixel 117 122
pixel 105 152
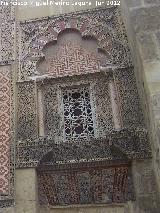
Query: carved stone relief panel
pixel 7 33
pixel 51 115
pixel 7 122
pixel 128 143
pixel 71 55
pixel 130 105
pixel 27 111
pixel 124 145
pixel 7 12
pixel 6 136
pixel 100 102
pixel 74 60
pixel 57 55
pixel 104 25
pixel 85 186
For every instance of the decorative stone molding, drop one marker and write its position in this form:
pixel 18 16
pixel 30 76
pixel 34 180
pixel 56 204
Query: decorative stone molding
pixel 7 139
pixel 7 116
pixel 118 145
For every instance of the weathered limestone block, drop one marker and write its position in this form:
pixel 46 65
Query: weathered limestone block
pixel 147 46
pixel 153 77
pixel 158 37
pixel 147 199
pixel 8 210
pixel 146 18
pixel 26 192
pixel 133 3
pixel 156 105
pixel 144 177
pixel 148 204
pixel 155 123
pixel 151 1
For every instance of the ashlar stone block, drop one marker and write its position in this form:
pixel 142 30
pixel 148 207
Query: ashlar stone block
pixel 146 18
pixel 147 46
pixel 151 2
pixel 133 3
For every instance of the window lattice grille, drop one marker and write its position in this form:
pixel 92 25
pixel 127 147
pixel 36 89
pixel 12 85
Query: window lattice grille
pixel 78 121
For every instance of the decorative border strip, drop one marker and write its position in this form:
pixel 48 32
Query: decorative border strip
pixel 8 200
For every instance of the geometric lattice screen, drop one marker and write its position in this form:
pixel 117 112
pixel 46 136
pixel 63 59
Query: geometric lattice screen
pixel 78 120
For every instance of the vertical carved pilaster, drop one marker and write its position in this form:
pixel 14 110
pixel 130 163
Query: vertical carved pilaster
pixel 40 112
pixel 131 111
pixel 114 103
pixel 5 127
pixel 27 111
pixel 113 96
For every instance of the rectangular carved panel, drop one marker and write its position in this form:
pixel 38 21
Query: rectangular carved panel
pixel 131 111
pixel 5 128
pixel 85 186
pixel 72 59
pixel 27 112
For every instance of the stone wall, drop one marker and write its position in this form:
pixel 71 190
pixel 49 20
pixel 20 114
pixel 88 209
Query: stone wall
pixel 143 27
